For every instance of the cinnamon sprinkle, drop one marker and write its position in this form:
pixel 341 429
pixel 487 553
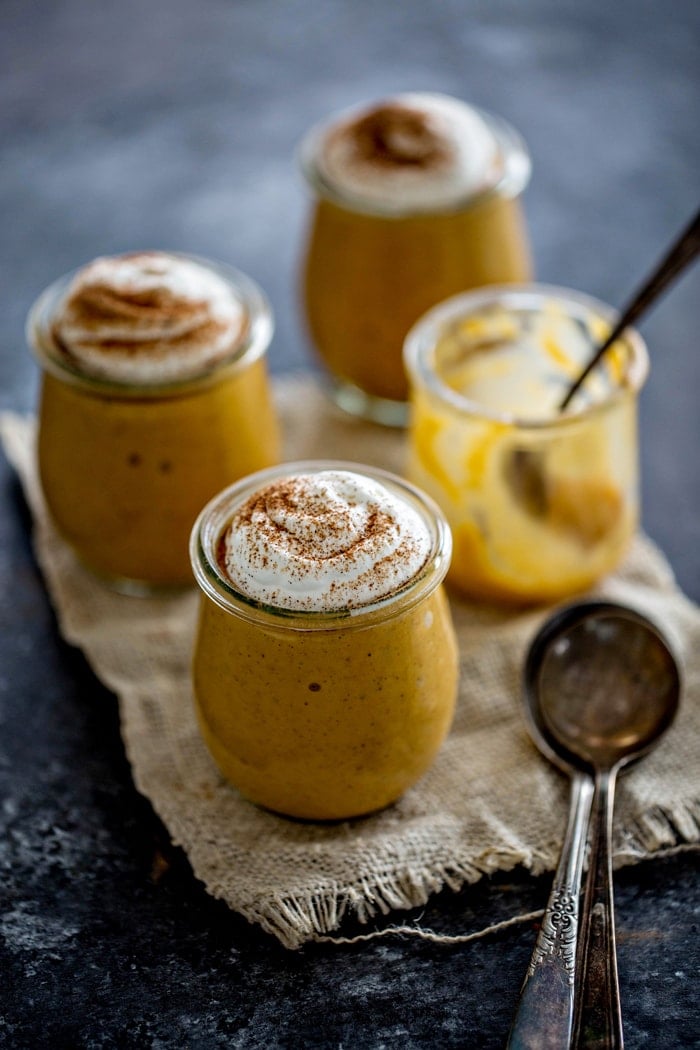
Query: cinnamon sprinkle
pixel 354 550
pixel 393 135
pixel 144 316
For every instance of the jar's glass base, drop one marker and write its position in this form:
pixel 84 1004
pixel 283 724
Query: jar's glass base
pixel 142 589
pixel 367 406
pixel 138 588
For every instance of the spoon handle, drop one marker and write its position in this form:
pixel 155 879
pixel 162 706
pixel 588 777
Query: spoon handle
pixel 598 1020
pixel 681 253
pixel 544 1017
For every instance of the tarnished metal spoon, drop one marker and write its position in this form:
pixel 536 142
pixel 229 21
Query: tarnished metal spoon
pixel 678 257
pixel 525 468
pixel 601 686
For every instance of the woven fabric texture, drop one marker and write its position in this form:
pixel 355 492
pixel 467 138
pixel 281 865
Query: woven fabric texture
pixel 490 802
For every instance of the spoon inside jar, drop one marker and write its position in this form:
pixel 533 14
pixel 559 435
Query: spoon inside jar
pixel 601 686
pixel 681 253
pixel 525 469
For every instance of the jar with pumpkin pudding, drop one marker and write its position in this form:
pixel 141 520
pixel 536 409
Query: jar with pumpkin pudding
pixel 154 396
pixel 541 502
pixel 416 198
pixel 325 665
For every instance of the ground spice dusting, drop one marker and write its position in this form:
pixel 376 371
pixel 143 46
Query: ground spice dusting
pixel 394 135
pixel 180 322
pixel 385 569
pixel 221 553
pixel 139 321
pixel 321 541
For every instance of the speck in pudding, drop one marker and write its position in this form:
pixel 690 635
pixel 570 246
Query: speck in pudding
pixel 325 664
pixel 154 396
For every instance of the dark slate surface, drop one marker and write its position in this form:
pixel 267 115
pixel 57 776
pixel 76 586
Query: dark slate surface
pixel 173 125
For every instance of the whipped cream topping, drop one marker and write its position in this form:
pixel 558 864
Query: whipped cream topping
pixel 323 542
pixel 148 317
pixel 415 150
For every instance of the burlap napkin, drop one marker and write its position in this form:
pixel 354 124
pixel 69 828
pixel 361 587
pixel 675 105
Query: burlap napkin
pixel 489 802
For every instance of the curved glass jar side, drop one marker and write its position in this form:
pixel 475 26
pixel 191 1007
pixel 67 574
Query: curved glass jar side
pixel 248 348
pixel 539 508
pixel 423 339
pixel 215 517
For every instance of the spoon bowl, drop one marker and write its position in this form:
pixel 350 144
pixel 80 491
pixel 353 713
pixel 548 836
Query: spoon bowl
pixel 601 686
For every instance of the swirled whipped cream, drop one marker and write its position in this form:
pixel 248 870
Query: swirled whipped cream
pixel 148 317
pixel 411 151
pixel 323 542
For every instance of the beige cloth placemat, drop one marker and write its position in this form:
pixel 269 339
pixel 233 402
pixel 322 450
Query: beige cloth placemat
pixel 489 802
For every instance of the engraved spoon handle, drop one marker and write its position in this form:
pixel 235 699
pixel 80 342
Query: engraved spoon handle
pixel 544 1017
pixel 681 253
pixel 598 1015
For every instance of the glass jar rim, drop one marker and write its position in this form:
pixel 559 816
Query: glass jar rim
pixel 215 516
pixel 422 338
pixel 251 343
pixel 514 177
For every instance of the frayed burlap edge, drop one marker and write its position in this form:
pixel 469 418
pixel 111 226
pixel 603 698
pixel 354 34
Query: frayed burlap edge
pixel 394 872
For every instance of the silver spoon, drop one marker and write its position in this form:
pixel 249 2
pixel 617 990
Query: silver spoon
pixel 601 686
pixel 678 256
pixel 525 468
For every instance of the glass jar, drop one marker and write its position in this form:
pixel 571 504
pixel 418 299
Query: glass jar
pixel 126 468
pixel 541 503
pixel 318 715
pixel 372 268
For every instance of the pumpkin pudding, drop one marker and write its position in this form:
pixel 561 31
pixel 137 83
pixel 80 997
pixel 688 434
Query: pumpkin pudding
pixel 154 396
pixel 325 664
pixel 416 198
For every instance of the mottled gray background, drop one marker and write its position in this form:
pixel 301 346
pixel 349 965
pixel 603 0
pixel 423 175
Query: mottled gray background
pixel 173 125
